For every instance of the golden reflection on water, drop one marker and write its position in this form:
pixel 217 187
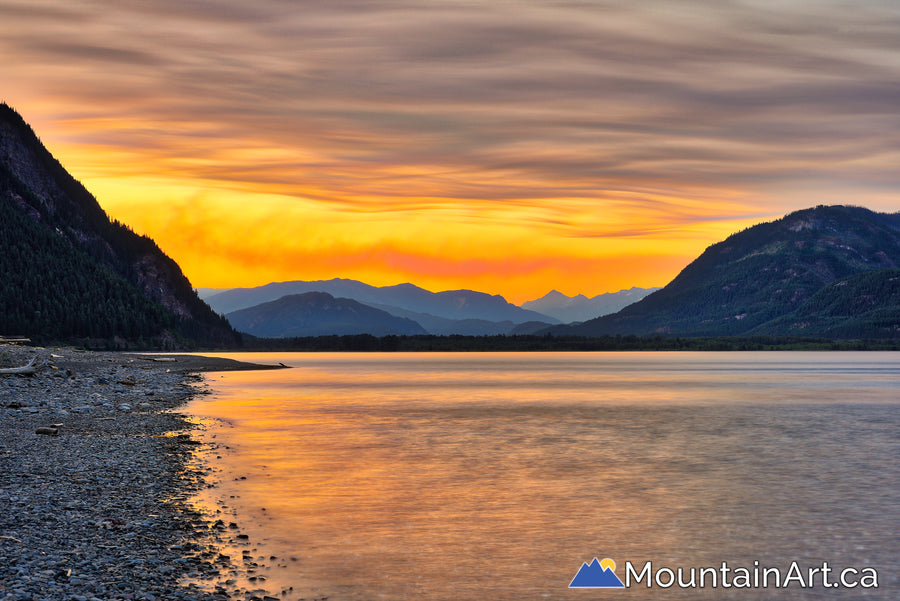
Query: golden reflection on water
pixel 493 476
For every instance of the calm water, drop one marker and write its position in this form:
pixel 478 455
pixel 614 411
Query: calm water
pixel 494 476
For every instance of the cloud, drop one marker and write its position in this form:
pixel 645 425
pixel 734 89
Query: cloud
pixel 577 94
pixel 586 119
pixel 85 52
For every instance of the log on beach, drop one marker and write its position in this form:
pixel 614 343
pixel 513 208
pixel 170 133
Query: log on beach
pixel 25 370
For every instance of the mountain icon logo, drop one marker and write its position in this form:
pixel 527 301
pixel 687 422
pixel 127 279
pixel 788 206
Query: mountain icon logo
pixel 597 574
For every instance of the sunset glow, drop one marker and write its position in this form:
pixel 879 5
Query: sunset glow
pixel 511 148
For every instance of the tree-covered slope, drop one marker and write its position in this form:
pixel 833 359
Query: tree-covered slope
pixel 865 305
pixel 69 274
pixel 760 274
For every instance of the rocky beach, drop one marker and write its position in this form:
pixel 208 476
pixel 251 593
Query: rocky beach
pixel 97 469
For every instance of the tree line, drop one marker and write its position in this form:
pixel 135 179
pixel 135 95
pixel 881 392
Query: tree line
pixel 502 343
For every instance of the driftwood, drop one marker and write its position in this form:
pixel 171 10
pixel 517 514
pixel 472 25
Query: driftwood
pixel 13 340
pixel 25 370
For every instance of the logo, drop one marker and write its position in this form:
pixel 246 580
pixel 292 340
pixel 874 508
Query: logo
pixel 601 574
pixel 597 574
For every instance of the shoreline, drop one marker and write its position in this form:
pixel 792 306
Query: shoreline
pixel 97 472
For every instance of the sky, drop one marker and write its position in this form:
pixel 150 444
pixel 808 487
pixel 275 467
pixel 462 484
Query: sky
pixel 511 147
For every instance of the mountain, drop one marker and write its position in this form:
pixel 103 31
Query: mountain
pixel 754 279
pixel 241 298
pixel 581 308
pixel 205 293
pixel 452 304
pixel 318 314
pixel 72 275
pixel 441 326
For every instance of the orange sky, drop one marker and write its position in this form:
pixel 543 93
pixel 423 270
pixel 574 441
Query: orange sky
pixel 511 148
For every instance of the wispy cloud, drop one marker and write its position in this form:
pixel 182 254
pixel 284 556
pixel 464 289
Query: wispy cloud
pixel 678 112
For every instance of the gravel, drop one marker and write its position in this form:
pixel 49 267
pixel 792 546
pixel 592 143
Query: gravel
pixel 97 471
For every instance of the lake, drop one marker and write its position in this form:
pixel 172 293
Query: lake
pixel 495 476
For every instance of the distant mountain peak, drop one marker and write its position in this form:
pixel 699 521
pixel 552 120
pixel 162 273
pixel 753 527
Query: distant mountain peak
pixel 405 286
pixel 569 309
pixel 554 295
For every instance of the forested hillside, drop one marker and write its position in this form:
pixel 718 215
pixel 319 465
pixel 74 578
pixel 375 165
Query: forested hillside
pixel 72 275
pixel 764 273
pixel 865 305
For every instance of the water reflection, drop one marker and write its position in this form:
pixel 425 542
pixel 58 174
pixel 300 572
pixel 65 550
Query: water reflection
pixel 493 476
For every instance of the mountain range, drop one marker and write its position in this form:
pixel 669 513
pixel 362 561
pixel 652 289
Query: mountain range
pixel 450 304
pixel 581 308
pixel 441 313
pixel 465 312
pixel 70 274
pixel 825 271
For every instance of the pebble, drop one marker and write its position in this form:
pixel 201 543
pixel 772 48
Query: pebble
pixel 98 507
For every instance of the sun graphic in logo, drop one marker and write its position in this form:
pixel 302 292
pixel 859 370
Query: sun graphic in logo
pixel 608 564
